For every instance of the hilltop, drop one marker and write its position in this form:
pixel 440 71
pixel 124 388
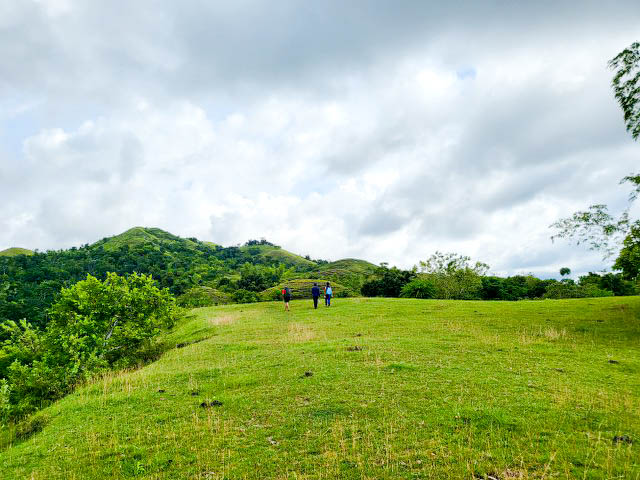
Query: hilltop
pixel 14 251
pixel 369 388
pixel 138 236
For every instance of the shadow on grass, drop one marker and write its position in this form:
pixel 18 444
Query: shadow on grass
pixel 15 433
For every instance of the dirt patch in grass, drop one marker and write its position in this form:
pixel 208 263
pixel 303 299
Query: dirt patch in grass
pixel 300 333
pixel 222 320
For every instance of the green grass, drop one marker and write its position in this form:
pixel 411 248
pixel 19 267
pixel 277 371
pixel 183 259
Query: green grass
pixel 435 389
pixel 12 252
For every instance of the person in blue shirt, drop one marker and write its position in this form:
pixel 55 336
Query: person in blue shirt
pixel 315 292
pixel 327 294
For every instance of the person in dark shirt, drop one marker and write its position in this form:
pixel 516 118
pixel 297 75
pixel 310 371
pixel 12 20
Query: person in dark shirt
pixel 286 296
pixel 315 292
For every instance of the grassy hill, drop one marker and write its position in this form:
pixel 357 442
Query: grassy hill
pixel 12 252
pixel 349 272
pixel 137 236
pixel 271 254
pixel 369 388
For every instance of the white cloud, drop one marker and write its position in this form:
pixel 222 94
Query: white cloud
pixel 383 143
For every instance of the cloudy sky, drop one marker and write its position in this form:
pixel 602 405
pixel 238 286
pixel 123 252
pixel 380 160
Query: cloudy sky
pixel 380 130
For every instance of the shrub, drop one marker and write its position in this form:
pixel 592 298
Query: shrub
pixel 387 282
pixel 202 297
pixel 463 284
pixel 245 296
pixel 419 288
pixel 571 290
pixel 93 326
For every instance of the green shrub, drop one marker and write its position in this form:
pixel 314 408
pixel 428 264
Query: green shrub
pixel 463 284
pixel 419 288
pixel 93 326
pixel 203 297
pixel 571 290
pixel 245 296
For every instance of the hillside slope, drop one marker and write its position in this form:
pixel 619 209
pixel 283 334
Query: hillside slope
pixel 350 272
pixel 369 388
pixel 14 251
pixel 274 254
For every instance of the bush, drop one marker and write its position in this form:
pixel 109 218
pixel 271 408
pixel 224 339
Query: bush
pixel 560 290
pixel 202 297
pixel 463 284
pixel 245 296
pixel 93 326
pixel 387 282
pixel 419 288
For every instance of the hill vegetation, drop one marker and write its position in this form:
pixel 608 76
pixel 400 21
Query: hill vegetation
pixel 369 388
pixel 12 252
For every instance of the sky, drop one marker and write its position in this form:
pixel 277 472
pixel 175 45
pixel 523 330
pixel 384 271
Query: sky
pixel 374 129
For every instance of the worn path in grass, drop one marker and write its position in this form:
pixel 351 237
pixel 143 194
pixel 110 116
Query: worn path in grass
pixel 369 388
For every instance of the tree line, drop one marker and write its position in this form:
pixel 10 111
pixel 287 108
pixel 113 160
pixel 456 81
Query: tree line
pixel 452 276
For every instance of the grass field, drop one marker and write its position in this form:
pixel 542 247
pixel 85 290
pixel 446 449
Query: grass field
pixel 366 389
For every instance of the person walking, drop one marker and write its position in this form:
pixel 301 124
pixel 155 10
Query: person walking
pixel 327 294
pixel 286 295
pixel 315 293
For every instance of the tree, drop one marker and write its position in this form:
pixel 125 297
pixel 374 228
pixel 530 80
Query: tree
pixel 443 263
pixel 596 226
pixel 387 282
pixel 453 276
pixel 626 86
pixel 418 288
pixel 629 259
pixel 565 271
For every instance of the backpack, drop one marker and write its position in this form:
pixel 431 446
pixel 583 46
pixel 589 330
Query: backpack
pixel 287 291
pixel 329 291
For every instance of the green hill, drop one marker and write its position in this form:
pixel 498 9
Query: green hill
pixel 138 236
pixel 14 251
pixel 349 272
pixel 274 254
pixel 370 388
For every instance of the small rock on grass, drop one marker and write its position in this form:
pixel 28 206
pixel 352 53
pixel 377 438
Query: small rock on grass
pixel 161 390
pixel 613 361
pixel 355 348
pixel 307 374
pixel 271 441
pixel 214 403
